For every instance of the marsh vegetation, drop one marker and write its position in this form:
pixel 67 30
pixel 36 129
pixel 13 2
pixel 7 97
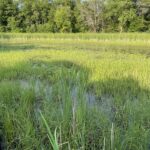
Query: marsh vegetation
pixel 75 91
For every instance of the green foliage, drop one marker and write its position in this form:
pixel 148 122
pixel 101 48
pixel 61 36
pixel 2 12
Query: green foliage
pixel 13 24
pixel 44 27
pixel 74 15
pixel 8 8
pixel 63 19
pixel 125 19
pixel 52 139
pixel 137 25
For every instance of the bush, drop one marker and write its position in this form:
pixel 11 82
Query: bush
pixel 2 28
pixel 137 25
pixel 44 27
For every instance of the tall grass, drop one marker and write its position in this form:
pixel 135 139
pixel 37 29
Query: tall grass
pixel 75 91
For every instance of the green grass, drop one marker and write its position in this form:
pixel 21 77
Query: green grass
pixel 75 91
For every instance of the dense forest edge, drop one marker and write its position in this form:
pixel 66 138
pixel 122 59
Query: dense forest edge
pixel 73 16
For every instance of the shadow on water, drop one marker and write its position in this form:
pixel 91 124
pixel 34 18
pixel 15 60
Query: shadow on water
pixel 114 94
pixel 108 96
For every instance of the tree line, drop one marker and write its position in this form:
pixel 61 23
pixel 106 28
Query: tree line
pixel 74 16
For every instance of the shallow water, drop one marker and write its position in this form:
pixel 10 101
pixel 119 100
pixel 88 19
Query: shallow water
pixel 38 86
pixel 103 104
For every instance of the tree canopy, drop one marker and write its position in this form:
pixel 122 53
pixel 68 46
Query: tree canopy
pixel 74 16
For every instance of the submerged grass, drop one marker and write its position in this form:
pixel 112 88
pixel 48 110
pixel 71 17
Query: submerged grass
pixel 96 99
